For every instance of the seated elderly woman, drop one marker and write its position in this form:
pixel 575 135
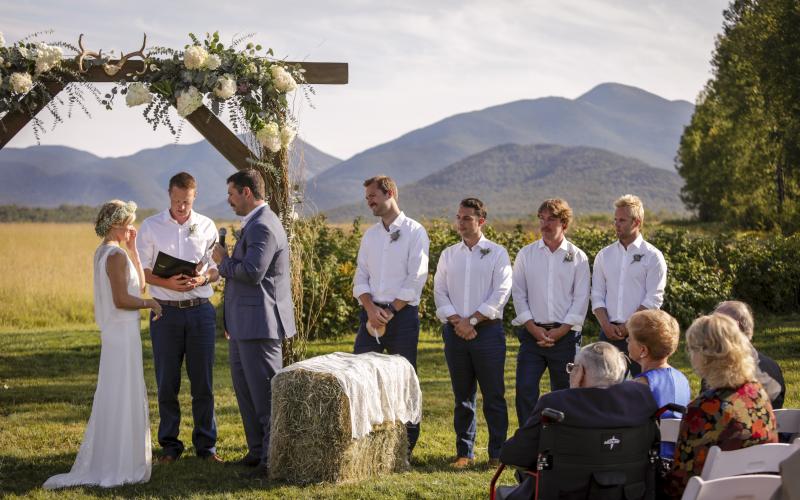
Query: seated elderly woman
pixel 597 398
pixel 653 336
pixel 768 373
pixel 733 413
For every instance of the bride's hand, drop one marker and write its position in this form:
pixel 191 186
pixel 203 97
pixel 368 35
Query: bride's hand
pixel 156 307
pixel 130 239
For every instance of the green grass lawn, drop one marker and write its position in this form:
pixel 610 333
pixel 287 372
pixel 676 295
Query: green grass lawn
pixel 47 383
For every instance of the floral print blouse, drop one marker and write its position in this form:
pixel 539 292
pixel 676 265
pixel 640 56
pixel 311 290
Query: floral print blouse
pixel 728 418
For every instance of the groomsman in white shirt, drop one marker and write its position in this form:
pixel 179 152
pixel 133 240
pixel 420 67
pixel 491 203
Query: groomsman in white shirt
pixel 471 286
pixel 551 298
pixel 629 275
pixel 391 271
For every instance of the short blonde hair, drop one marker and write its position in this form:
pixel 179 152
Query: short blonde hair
pixel 559 208
pixel 633 204
pixel 114 213
pixel 604 364
pixel 385 184
pixel 719 352
pixel 656 330
pixel 741 314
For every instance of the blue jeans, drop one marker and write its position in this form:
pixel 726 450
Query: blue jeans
pixel 532 361
pixel 473 362
pixel 188 333
pixel 401 337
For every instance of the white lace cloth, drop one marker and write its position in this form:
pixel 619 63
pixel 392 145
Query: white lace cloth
pixel 381 388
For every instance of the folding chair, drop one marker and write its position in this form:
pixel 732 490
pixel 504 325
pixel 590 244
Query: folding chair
pixel 754 487
pixel 788 420
pixel 758 459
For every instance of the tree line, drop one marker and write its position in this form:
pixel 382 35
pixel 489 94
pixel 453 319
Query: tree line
pixel 740 154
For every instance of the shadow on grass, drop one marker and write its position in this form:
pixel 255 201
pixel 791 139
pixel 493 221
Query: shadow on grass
pixel 68 362
pixel 187 477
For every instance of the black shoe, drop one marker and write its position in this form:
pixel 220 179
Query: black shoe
pixel 260 471
pixel 246 461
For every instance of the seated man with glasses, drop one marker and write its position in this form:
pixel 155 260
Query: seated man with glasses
pixel 597 398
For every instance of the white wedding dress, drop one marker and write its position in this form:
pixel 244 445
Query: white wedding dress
pixel 116 446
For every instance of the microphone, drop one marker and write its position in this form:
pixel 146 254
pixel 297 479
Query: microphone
pixel 222 233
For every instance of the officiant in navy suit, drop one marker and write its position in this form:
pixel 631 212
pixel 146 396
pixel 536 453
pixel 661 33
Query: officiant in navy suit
pixel 258 312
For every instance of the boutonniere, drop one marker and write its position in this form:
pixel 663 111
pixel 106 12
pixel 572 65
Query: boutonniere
pixel 637 257
pixel 485 252
pixel 192 229
pixel 569 257
pixel 394 235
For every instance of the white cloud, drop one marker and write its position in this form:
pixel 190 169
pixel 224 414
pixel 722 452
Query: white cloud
pixel 411 63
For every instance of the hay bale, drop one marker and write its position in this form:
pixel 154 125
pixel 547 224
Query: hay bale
pixel 311 434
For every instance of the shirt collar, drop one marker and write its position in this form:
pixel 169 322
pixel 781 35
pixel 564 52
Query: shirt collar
pixel 635 244
pixel 252 214
pixel 169 218
pixel 482 243
pixel 397 222
pixel 563 246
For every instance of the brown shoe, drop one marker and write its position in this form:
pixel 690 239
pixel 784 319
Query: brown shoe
pixel 214 458
pixel 167 459
pixel 493 463
pixel 462 463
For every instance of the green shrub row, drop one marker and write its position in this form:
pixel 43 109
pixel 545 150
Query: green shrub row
pixel 703 270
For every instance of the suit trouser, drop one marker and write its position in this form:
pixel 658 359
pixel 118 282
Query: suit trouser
pixel 401 337
pixel 533 360
pixel 634 368
pixel 253 364
pixel 473 362
pixel 188 332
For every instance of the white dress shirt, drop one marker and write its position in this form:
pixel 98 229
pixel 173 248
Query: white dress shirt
pixel 624 279
pixel 190 241
pixel 472 280
pixel 393 264
pixel 551 287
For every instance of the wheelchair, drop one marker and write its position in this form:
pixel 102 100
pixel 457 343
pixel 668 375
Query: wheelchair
pixel 593 464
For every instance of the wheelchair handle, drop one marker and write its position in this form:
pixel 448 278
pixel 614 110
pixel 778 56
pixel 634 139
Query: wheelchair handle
pixel 551 415
pixel 676 408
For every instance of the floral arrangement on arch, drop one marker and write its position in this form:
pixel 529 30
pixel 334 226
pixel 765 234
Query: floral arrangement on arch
pixel 252 88
pixel 27 67
pixel 249 85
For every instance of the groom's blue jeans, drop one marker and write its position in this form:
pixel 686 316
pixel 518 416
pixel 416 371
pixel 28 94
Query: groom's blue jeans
pixel 188 333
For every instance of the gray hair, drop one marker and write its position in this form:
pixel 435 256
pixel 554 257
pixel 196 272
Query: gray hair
pixel 603 363
pixel 741 313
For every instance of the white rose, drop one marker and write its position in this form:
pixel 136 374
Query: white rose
pixel 213 62
pixel 21 83
pixel 47 56
pixel 137 94
pixel 23 52
pixel 188 101
pixel 287 135
pixel 2 40
pixel 195 57
pixel 225 87
pixel 282 79
pixel 270 137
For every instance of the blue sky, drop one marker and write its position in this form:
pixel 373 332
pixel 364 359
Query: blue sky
pixel 411 63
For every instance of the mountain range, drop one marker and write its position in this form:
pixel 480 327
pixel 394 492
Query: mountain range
pixel 625 120
pixel 611 139
pixel 49 176
pixel 513 180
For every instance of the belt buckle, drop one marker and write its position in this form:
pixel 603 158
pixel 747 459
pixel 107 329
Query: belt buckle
pixel 185 304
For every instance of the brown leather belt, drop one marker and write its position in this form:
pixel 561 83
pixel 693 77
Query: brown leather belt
pixel 489 322
pixel 547 326
pixel 183 304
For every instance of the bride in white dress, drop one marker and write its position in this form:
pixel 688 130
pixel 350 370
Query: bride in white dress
pixel 116 446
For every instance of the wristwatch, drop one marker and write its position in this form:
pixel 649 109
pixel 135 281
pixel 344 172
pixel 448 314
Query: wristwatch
pixel 391 308
pixel 473 320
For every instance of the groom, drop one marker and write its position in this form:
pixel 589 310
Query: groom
pixel 258 312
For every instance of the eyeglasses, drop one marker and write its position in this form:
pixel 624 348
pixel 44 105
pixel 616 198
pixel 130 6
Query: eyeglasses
pixel 570 368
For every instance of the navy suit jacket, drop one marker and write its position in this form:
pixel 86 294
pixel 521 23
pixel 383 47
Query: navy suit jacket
pixel 622 405
pixel 258 288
